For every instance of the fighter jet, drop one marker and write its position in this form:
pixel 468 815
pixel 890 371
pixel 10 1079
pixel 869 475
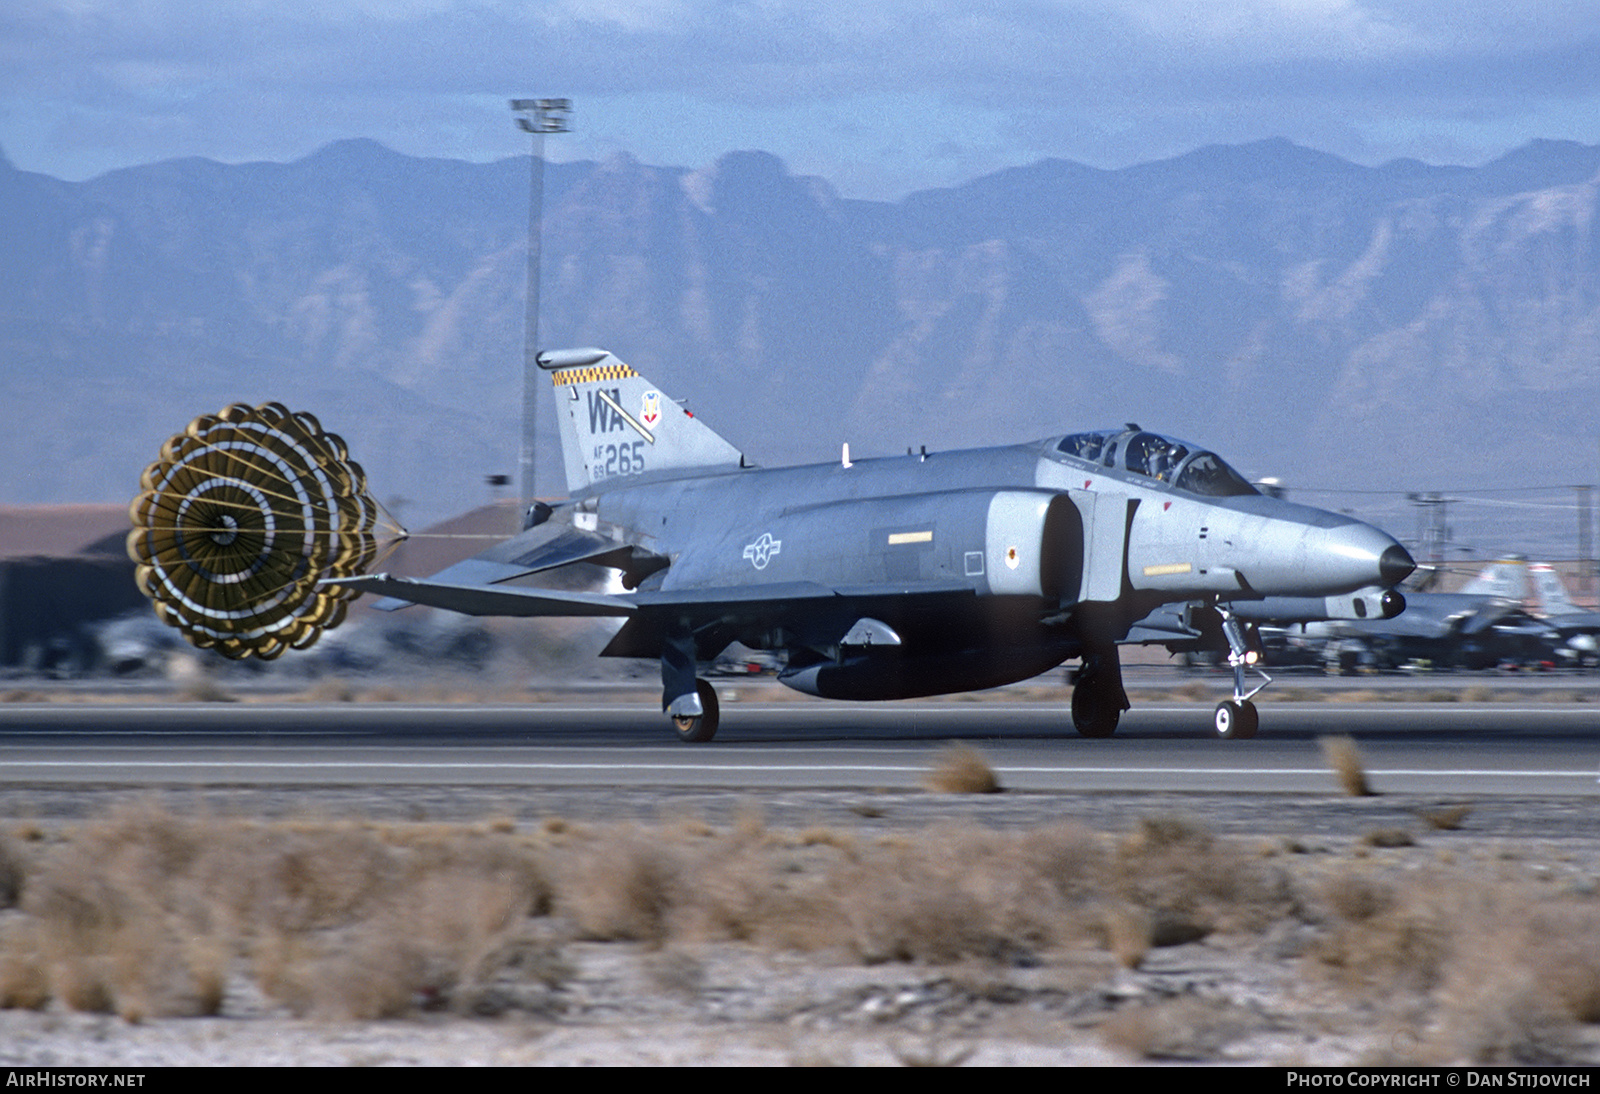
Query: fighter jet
pixel 1479 627
pixel 1506 579
pixel 1580 629
pixel 1569 631
pixel 892 578
pixel 1444 630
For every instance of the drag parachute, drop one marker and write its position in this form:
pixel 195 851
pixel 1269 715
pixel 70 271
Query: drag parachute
pixel 243 515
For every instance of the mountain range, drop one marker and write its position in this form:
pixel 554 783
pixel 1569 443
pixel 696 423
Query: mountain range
pixel 1402 327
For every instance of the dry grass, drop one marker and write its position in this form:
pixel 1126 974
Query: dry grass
pixel 329 689
pixel 1186 1029
pixel 1129 932
pixel 962 769
pixel 1388 838
pixel 203 689
pixel 146 912
pixel 1344 758
pixel 13 872
pixel 1446 818
pixel 1510 971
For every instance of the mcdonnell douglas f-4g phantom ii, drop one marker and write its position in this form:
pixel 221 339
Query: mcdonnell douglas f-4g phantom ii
pixel 878 579
pixel 906 576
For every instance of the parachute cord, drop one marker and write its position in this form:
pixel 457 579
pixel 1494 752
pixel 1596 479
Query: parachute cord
pixel 394 531
pixel 454 535
pixel 385 551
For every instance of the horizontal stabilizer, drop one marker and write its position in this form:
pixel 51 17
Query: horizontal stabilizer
pixel 490 600
pixel 545 547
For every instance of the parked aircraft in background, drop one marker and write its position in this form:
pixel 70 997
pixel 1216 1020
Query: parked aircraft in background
pixel 1580 629
pixel 1537 587
pixel 1506 578
pixel 1482 626
pixel 1442 630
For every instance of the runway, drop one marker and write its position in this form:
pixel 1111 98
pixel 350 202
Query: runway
pixel 1439 749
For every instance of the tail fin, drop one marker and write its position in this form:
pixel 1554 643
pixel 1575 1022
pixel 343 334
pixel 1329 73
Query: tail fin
pixel 615 422
pixel 1551 593
pixel 1506 579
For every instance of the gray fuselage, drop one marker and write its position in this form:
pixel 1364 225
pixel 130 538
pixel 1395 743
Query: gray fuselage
pixel 986 565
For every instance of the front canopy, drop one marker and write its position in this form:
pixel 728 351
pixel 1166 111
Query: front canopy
pixel 1164 459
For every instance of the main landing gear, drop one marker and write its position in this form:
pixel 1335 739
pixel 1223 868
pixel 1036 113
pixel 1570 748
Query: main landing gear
pixel 1097 696
pixel 699 728
pixel 690 703
pixel 1236 719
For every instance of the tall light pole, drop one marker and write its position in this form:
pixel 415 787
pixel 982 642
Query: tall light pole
pixel 535 117
pixel 1433 528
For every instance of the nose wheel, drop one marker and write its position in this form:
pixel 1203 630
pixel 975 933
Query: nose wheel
pixel 1236 720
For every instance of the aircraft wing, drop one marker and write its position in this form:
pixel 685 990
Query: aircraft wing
pixel 730 601
pixel 783 592
pixel 488 599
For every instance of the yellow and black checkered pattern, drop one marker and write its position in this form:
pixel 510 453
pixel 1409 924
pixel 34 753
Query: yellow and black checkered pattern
pixel 593 375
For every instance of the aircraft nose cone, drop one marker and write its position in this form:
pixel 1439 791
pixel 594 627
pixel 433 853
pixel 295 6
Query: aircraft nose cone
pixel 1354 556
pixel 1395 564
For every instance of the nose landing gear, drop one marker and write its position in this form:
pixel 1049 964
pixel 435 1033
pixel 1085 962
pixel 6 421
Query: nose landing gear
pixel 1236 719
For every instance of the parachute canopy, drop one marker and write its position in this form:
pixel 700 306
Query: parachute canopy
pixel 241 517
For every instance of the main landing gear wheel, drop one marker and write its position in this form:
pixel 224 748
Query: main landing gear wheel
pixel 1236 721
pixel 700 728
pixel 1093 712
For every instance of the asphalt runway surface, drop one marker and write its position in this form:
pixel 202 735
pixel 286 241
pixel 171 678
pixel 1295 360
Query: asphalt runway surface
pixel 1439 749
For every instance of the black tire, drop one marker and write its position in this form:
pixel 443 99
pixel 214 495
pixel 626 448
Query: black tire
pixel 1090 717
pixel 1249 721
pixel 1235 721
pixel 701 728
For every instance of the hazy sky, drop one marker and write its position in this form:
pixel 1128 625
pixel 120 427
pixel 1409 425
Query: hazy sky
pixel 880 98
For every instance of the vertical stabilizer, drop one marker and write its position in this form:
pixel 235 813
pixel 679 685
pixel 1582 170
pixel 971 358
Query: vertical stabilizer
pixel 616 423
pixel 1550 593
pixel 1507 579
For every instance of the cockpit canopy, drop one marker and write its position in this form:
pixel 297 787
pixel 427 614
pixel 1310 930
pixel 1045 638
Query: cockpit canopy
pixel 1164 459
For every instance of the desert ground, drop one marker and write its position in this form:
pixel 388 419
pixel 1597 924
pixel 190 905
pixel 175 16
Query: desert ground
pixel 963 923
